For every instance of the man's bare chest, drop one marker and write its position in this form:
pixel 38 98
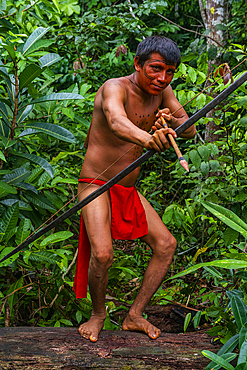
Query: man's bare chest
pixel 143 115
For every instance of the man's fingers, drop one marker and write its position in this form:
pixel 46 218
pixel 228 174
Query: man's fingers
pixel 163 111
pixel 158 141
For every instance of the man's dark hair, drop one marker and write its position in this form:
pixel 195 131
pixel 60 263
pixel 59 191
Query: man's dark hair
pixel 158 44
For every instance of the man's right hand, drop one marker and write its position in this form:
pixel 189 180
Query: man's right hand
pixel 158 141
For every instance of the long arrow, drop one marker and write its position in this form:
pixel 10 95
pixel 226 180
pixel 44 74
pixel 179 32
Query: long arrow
pixel 179 130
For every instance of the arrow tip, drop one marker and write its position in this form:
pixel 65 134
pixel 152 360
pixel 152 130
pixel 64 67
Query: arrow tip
pixel 184 164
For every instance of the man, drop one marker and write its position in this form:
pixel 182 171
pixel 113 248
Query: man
pixel 125 110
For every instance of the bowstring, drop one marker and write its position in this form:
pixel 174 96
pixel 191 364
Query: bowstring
pixel 118 159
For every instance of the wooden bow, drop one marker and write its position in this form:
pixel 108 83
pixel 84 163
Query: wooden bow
pixel 179 130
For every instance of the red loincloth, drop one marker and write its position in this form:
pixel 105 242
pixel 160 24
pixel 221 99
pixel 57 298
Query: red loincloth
pixel 128 222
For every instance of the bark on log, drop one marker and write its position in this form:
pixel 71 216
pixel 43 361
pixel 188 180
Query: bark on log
pixel 63 348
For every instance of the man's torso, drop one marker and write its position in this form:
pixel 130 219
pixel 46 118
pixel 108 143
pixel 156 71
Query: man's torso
pixel 104 148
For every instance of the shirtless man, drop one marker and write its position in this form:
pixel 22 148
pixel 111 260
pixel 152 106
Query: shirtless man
pixel 125 110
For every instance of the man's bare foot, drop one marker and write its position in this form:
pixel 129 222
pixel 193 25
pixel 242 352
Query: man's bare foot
pixel 91 328
pixel 138 323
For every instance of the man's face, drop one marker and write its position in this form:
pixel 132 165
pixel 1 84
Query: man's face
pixel 155 75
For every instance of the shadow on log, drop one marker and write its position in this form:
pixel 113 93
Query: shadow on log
pixel 63 348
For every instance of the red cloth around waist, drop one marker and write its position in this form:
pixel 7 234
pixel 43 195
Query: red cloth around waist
pixel 128 222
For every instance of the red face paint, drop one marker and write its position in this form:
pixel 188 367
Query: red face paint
pixel 156 74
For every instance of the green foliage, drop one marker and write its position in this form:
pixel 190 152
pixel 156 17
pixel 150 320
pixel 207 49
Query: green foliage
pixel 225 355
pixel 55 55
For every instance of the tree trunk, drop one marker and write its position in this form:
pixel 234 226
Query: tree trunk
pixel 32 348
pixel 213 13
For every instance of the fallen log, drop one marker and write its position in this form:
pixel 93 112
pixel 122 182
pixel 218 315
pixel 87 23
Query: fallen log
pixel 33 348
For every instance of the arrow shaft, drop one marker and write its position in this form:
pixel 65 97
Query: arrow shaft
pixel 179 130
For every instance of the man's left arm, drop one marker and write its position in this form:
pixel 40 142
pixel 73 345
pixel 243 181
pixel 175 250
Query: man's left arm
pixel 174 114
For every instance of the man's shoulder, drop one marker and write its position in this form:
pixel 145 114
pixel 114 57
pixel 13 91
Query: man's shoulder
pixel 121 82
pixel 114 88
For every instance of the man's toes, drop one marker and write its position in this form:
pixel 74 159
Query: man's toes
pixel 93 338
pixel 153 334
pixel 84 333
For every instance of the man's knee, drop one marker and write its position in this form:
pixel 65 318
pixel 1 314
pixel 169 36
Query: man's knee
pixel 166 246
pixel 102 258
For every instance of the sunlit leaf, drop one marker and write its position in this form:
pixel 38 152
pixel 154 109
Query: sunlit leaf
pixel 56 237
pixel 242 358
pixel 227 216
pixel 23 114
pixel 10 50
pixel 33 38
pixel 195 158
pixel 40 44
pixel 219 360
pixel 29 74
pixel 187 321
pixel 16 176
pixel 239 311
pixel 49 59
pixel 225 264
pixel 51 129
pixel 8 261
pixel 6 188
pixel 38 160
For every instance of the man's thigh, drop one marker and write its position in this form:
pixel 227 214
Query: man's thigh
pixel 97 217
pixel 157 231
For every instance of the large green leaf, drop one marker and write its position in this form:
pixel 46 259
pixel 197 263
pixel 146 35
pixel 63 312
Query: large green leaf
pixel 9 220
pixel 33 38
pixel 11 88
pixel 195 158
pixel 22 205
pixel 242 358
pixel 204 152
pixel 8 261
pixel 239 311
pixel 228 347
pixel 70 6
pixel 10 50
pixel 23 114
pixel 49 59
pixel 3 5
pixel 16 176
pixel 23 231
pixel 50 129
pixel 40 201
pixel 38 160
pixel 6 188
pixel 55 2
pixel 26 186
pixel 10 80
pixel 40 44
pixel 29 131
pixel 57 96
pixel 227 216
pixel 2 156
pixel 6 101
pixel 4 129
pixel 219 360
pixel 4 72
pixel 225 264
pixel 45 256
pixel 56 237
pixel 53 97
pixel 4 113
pixel 28 75
pixel 243 335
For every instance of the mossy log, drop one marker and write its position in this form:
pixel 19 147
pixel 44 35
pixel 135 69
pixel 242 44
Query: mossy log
pixel 63 348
